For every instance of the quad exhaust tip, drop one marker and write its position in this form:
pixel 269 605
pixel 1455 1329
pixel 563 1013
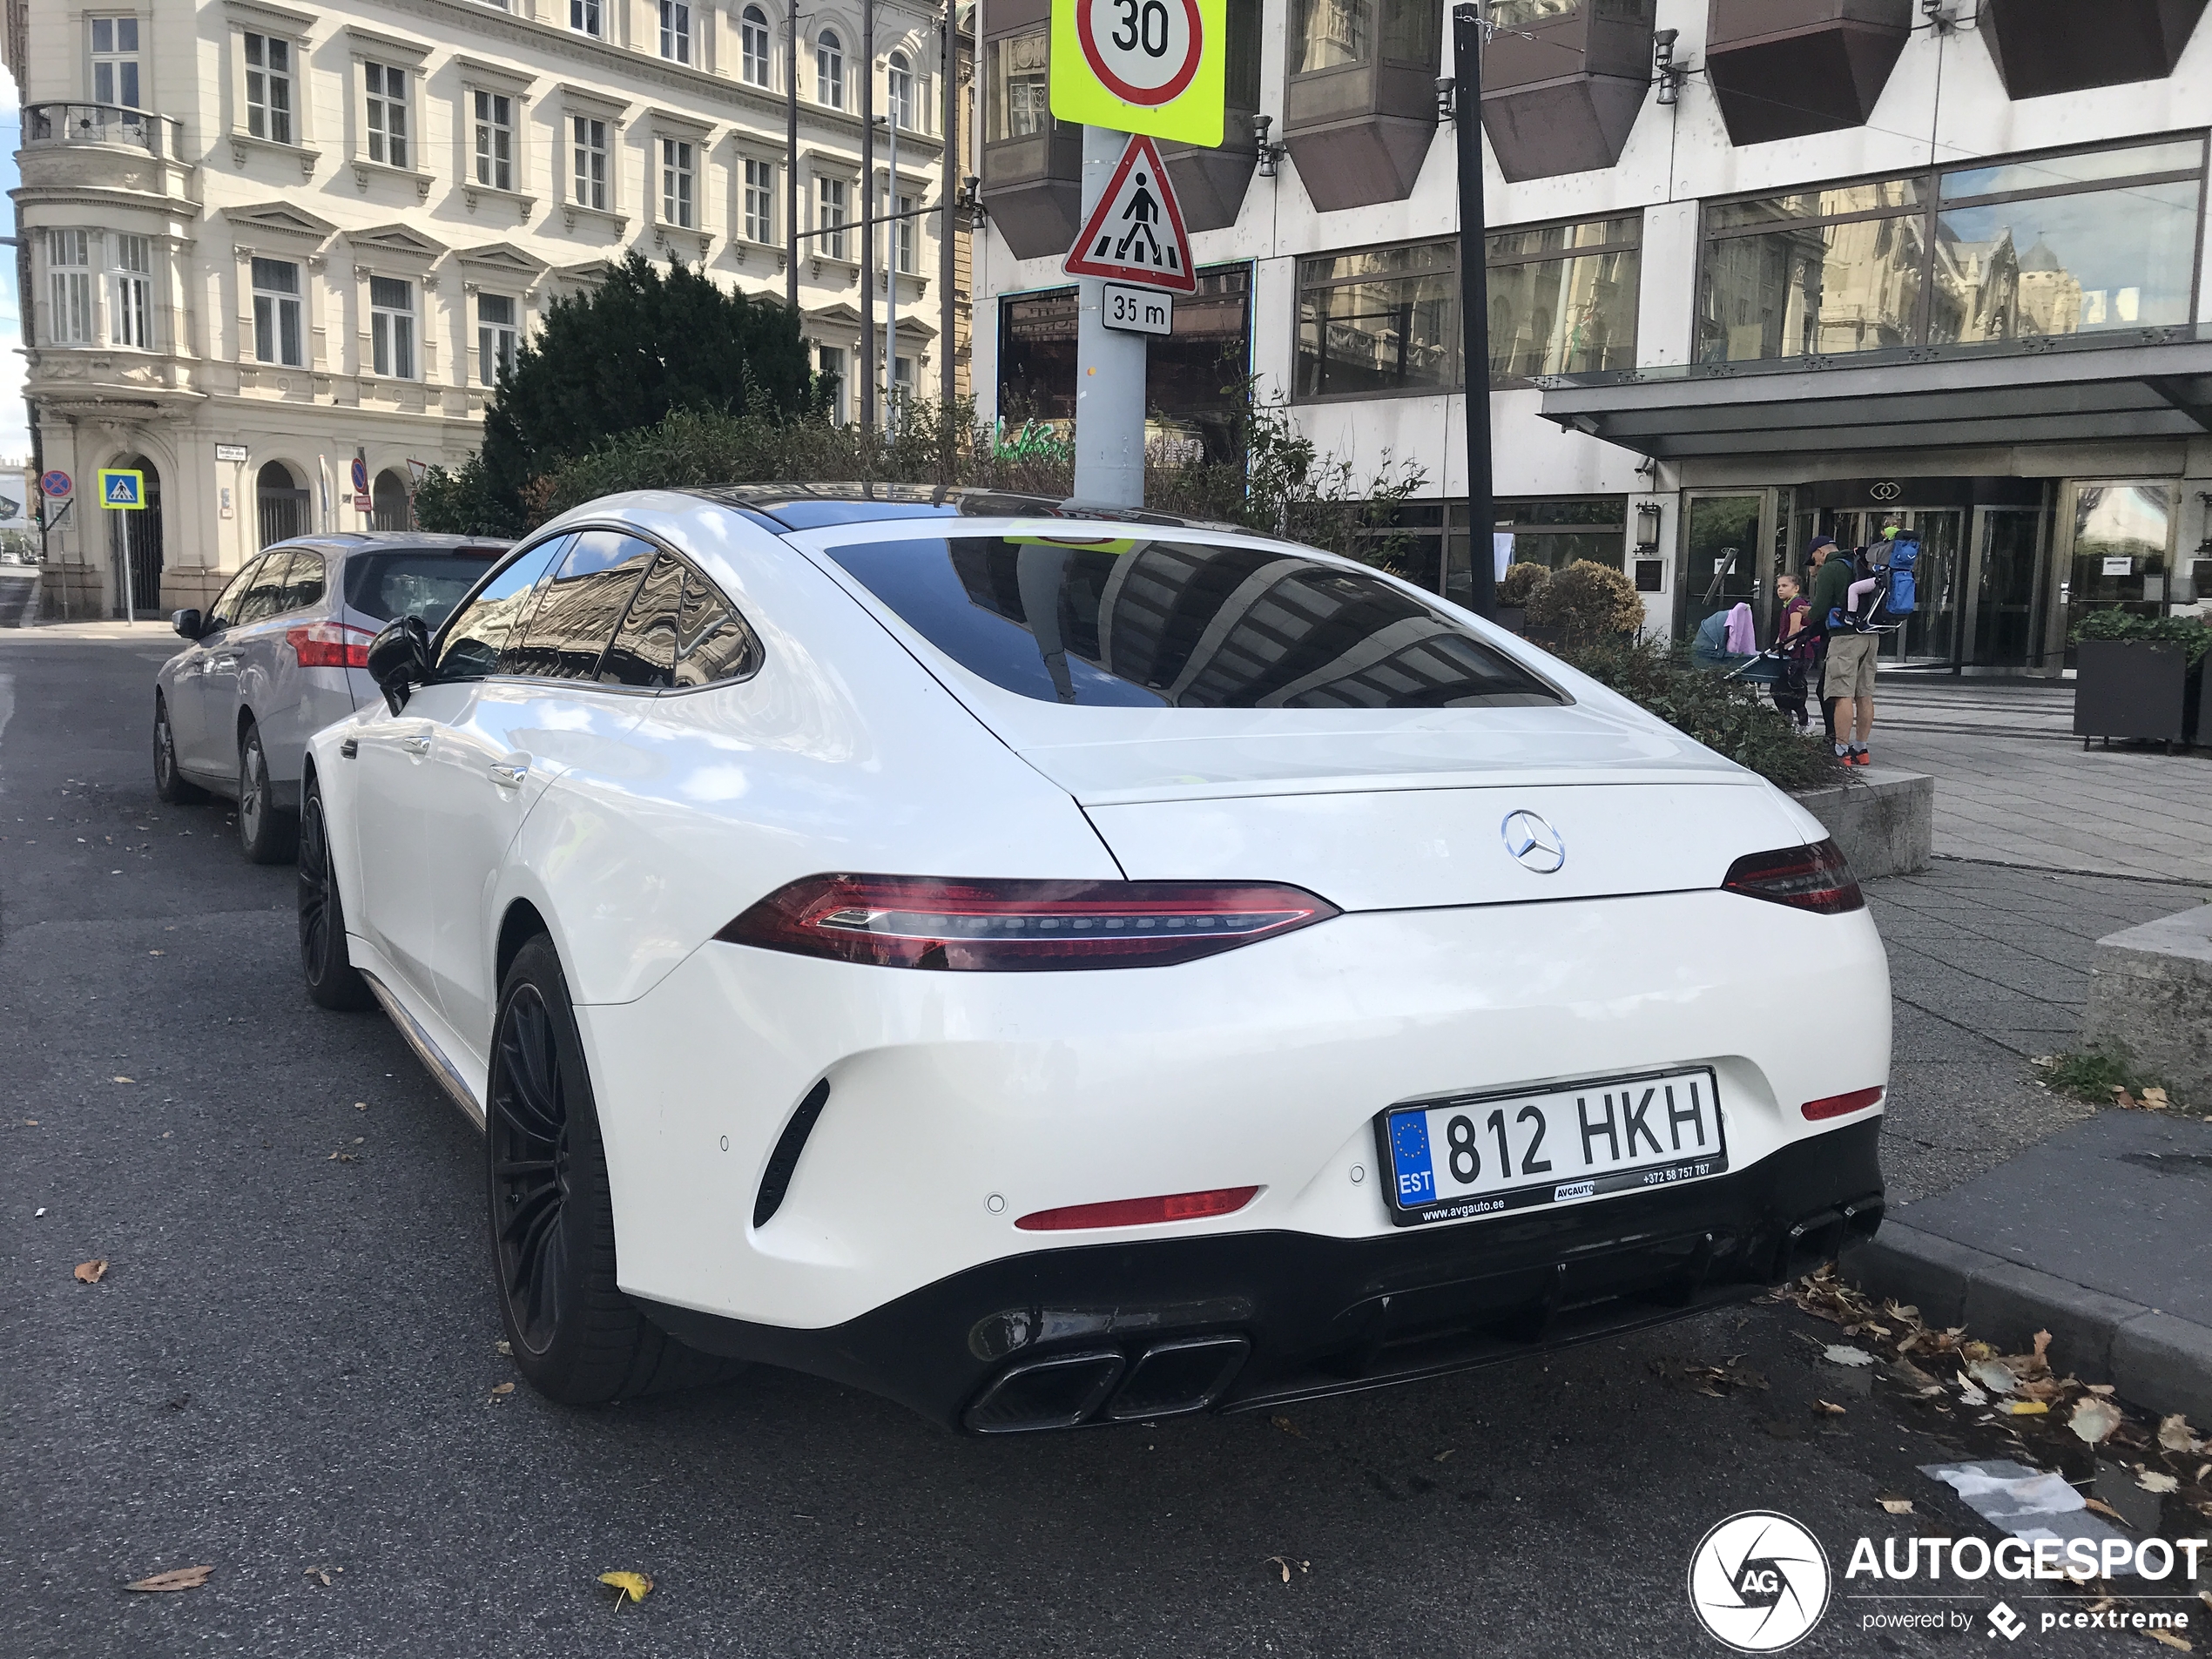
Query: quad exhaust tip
pixel 1169 1379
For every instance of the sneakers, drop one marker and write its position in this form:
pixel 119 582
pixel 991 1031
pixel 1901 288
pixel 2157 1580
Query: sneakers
pixel 1858 757
pixel 1843 753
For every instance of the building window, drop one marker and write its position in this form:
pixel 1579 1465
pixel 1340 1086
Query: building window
pixel 759 201
pixel 387 116
pixel 1555 533
pixel 1017 102
pixel 130 293
pixel 829 70
pixel 752 46
pixel 590 148
pixel 1563 298
pixel 1343 34
pixel 2002 250
pixel 277 334
pixel 115 61
pixel 902 236
pixel 831 367
pixel 269 88
pixel 391 328
pixel 1384 320
pixel 676 184
pixel 585 17
pixel 832 200
pixel 1194 378
pixel 496 337
pixel 495 140
pixel 676 31
pixel 68 261
pixel 899 82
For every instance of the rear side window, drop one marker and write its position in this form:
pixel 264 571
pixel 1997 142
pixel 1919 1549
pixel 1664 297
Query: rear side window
pixel 491 622
pixel 642 653
pixel 713 643
pixel 265 598
pixel 1179 624
pixel 304 587
pixel 226 611
pixel 577 613
pixel 412 582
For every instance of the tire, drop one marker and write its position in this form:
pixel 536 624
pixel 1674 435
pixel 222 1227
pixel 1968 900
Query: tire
pixel 168 783
pixel 332 981
pixel 266 834
pixel 575 1337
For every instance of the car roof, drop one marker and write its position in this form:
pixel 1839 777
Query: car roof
pixel 394 541
pixel 806 507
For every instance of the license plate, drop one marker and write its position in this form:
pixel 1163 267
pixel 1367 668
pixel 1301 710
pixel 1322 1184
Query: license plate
pixel 1477 1155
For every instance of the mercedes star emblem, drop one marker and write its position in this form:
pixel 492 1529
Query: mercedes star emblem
pixel 1534 844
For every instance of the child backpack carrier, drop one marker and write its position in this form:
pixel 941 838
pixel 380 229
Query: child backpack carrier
pixel 1903 591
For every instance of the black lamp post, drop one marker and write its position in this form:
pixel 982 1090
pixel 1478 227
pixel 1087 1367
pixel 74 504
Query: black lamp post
pixel 1474 303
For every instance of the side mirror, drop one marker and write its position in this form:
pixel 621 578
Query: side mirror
pixel 187 622
pixel 399 659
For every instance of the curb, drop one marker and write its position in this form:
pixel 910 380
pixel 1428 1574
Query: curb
pixel 2155 1360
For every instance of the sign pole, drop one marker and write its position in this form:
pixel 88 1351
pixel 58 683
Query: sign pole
pixel 1109 365
pixel 1474 305
pixel 122 537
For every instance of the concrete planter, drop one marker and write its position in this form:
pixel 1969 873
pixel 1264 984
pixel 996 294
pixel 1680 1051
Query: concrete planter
pixel 1884 820
pixel 2150 998
pixel 2131 688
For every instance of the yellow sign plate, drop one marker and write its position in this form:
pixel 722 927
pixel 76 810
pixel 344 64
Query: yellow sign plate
pixel 1148 66
pixel 123 487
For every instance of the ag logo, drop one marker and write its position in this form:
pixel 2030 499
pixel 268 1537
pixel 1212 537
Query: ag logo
pixel 1758 1582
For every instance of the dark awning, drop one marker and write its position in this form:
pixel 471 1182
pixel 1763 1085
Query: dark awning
pixel 2127 383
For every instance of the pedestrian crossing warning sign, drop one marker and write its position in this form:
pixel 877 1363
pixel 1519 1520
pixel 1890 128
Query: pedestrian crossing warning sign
pixel 1135 232
pixel 123 487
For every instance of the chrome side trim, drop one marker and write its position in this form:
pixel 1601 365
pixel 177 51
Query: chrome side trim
pixel 427 1051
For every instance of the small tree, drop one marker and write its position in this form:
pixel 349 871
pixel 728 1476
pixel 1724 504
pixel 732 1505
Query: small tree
pixel 621 357
pixel 1588 601
pixel 1519 582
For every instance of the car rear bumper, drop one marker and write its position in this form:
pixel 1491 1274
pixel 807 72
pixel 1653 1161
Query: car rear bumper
pixel 1103 1333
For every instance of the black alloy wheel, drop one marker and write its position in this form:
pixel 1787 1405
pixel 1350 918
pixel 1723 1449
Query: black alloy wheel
pixel 573 1334
pixel 332 981
pixel 266 833
pixel 168 783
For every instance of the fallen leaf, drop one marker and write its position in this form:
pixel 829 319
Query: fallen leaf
pixel 2152 1480
pixel 1288 1427
pixel 2103 1509
pixel 504 1348
pixel 180 1578
pixel 2205 1597
pixel 1896 1506
pixel 1968 1395
pixel 126 1080
pixel 627 1587
pixel 2154 1098
pixel 1843 1354
pixel 2169 1639
pixel 321 1573
pixel 1277 1561
pixel 1995 1376
pixel 157 952
pixel 1445 1454
pixel 92 1272
pixel 2173 1434
pixel 2093 1419
pixel 2043 1345
pixel 499 1390
pixel 360 1105
pixel 2027 1407
pixel 1829 1407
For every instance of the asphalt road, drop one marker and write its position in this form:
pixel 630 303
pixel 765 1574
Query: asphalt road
pixel 287 1372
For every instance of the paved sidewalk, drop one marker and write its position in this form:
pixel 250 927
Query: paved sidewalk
pixel 2014 1209
pixel 2014 785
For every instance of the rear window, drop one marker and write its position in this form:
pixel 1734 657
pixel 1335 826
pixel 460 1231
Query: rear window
pixel 423 582
pixel 1148 624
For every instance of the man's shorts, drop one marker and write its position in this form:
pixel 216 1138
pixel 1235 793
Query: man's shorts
pixel 1850 665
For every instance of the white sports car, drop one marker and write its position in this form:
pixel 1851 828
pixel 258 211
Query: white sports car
pixel 1052 966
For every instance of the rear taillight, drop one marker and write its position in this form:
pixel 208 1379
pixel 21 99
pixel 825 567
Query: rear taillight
pixel 1139 1212
pixel 1806 878
pixel 329 644
pixel 1011 927
pixel 1841 1105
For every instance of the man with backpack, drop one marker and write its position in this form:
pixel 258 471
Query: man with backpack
pixel 1847 682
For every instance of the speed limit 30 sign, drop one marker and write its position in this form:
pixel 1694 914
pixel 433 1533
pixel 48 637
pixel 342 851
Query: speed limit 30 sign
pixel 1148 66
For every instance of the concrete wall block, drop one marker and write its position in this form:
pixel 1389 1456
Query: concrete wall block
pixel 2150 996
pixel 2164 1365
pixel 1884 820
pixel 1904 1264
pixel 2007 1305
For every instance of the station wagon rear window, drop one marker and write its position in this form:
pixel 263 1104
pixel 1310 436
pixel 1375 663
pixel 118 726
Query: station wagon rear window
pixel 1150 624
pixel 424 582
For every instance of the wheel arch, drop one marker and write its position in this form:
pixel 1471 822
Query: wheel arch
pixel 520 924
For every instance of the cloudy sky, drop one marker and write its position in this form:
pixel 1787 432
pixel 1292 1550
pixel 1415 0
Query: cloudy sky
pixel 15 431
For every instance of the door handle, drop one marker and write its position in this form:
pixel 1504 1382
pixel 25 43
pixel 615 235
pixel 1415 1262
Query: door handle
pixel 508 774
pixel 415 745
pixel 222 662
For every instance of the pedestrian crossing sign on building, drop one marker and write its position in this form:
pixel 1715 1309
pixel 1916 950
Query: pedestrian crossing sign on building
pixel 123 487
pixel 1135 232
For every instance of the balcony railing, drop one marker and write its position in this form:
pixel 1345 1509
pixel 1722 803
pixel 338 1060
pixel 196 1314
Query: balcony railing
pixel 109 124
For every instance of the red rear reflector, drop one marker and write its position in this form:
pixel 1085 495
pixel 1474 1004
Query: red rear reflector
pixel 1138 1212
pixel 1008 927
pixel 1840 1105
pixel 1805 878
pixel 327 645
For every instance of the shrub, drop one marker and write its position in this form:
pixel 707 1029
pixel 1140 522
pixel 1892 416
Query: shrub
pixel 2190 632
pixel 1519 583
pixel 1731 717
pixel 1588 601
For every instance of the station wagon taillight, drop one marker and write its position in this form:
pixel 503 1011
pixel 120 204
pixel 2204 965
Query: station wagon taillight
pixel 1805 877
pixel 1010 926
pixel 329 644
